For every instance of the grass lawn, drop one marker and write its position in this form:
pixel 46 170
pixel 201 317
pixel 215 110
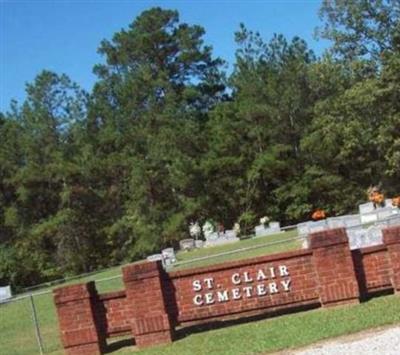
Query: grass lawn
pixel 258 245
pixel 289 331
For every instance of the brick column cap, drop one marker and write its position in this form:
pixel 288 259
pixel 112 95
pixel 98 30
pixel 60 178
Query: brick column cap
pixel 391 235
pixel 328 238
pixel 74 292
pixel 141 270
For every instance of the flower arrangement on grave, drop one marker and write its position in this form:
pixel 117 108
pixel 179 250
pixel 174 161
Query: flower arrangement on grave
pixel 208 228
pixel 236 228
pixel 264 220
pixel 194 230
pixel 396 201
pixel 376 196
pixel 318 215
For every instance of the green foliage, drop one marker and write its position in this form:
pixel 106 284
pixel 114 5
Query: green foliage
pixel 92 180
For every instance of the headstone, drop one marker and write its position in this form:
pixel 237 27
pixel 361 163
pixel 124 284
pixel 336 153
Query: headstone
pixel 366 208
pixel 261 230
pixel 369 217
pixel 388 202
pixel 212 236
pixel 198 243
pixel 274 227
pixel 186 244
pixel 384 212
pixel 229 236
pixel 5 293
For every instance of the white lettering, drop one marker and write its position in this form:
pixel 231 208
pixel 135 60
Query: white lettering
pixel 223 296
pixel 272 288
pixel 209 298
pixel 248 290
pixel 236 294
pixel 260 275
pixel 283 270
pixel 196 285
pixel 272 272
pixel 247 278
pixel 236 279
pixel 261 290
pixel 209 282
pixel 197 300
pixel 286 284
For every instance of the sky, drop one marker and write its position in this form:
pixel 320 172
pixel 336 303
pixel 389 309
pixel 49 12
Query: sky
pixel 63 35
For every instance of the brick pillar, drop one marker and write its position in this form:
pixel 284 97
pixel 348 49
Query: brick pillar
pixel 334 267
pixel 391 238
pixel 80 335
pixel 150 321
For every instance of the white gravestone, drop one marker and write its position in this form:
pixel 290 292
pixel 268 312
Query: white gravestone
pixel 186 244
pixel 275 227
pixel 198 243
pixel 385 212
pixel 229 236
pixel 366 208
pixel 369 217
pixel 388 202
pixel 261 230
pixel 5 293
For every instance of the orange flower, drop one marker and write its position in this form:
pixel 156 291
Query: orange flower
pixel 318 214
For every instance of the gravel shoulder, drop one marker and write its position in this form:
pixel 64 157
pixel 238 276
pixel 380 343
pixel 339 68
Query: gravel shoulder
pixel 382 341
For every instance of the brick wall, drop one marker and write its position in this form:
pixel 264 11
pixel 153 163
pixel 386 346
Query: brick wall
pixel 372 270
pixel 249 291
pixel 111 309
pixel 155 302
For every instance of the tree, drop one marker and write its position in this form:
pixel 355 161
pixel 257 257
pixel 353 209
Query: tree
pixel 148 109
pixel 361 28
pixel 254 146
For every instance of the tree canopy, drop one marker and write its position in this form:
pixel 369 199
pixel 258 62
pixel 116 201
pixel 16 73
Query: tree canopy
pixel 166 137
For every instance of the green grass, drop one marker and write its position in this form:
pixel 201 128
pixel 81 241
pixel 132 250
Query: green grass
pixel 259 249
pixel 284 332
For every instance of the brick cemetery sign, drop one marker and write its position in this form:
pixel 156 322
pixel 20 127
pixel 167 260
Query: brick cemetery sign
pixel 155 302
